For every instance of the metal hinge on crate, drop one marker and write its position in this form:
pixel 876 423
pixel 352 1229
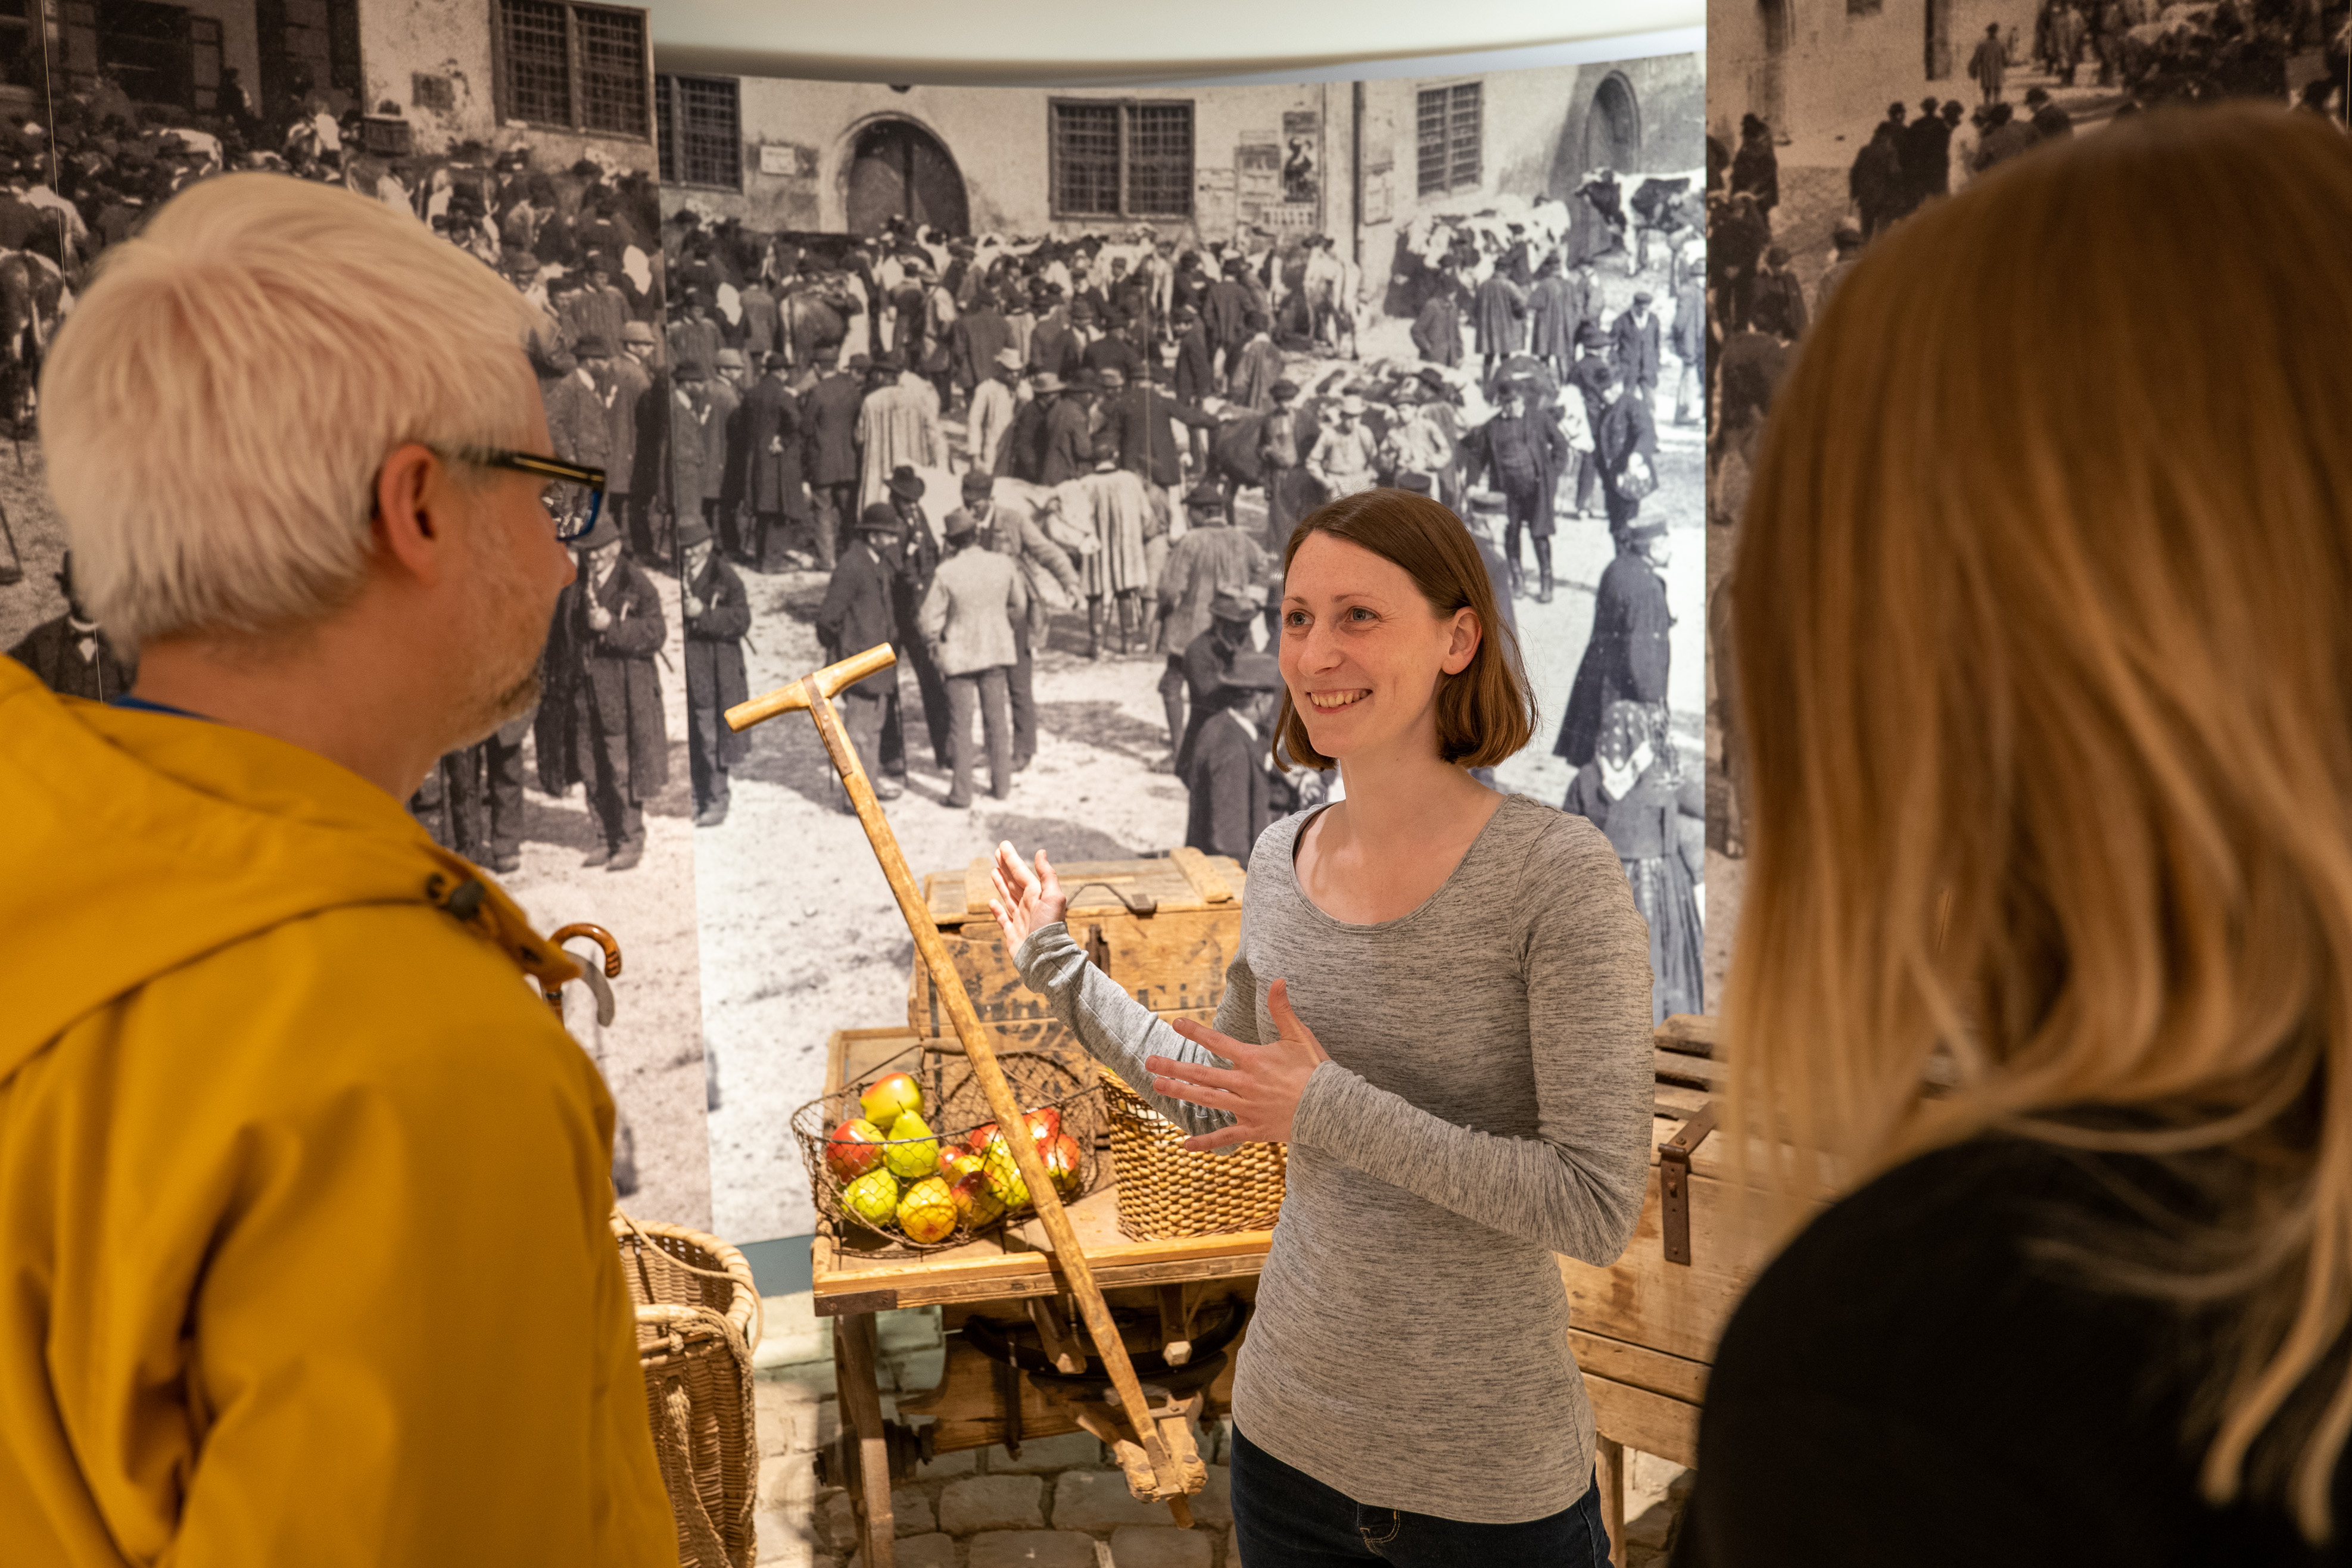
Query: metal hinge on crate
pixel 1674 1183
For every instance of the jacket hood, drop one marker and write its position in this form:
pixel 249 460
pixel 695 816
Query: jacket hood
pixel 137 842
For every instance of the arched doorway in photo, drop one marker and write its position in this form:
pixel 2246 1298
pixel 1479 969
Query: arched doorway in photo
pixel 898 170
pixel 1613 127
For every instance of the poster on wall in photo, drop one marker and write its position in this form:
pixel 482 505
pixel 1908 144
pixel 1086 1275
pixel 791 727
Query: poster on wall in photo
pixel 580 809
pixel 1819 142
pixel 1058 321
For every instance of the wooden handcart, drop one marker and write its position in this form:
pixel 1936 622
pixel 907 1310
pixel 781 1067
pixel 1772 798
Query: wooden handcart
pixel 1644 1332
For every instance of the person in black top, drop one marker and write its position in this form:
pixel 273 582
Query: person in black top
pixel 2045 967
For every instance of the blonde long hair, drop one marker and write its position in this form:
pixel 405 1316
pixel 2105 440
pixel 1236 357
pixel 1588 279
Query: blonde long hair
pixel 2044 625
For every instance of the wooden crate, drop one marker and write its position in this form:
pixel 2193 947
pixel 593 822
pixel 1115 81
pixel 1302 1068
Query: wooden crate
pixel 1173 960
pixel 1645 1327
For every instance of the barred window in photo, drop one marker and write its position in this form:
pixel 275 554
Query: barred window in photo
pixel 1121 158
pixel 579 68
pixel 1450 138
pixel 700 125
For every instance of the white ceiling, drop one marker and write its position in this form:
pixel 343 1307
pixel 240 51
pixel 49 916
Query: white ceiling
pixel 1105 42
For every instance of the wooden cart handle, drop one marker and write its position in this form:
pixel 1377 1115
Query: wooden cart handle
pixel 827 682
pixel 815 692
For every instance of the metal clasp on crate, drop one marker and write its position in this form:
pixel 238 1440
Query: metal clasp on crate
pixel 1674 1183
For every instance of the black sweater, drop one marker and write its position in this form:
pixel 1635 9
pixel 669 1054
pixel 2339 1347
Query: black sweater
pixel 1916 1382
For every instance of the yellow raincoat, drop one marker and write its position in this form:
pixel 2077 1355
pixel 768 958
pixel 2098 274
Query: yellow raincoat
pixel 304 1256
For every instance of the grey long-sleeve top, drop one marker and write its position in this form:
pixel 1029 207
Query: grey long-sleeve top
pixel 1486 1105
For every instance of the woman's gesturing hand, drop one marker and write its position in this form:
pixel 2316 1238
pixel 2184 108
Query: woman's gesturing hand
pixel 1024 901
pixel 1261 1089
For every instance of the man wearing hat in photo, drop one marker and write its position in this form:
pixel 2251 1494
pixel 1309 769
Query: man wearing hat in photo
pixel 1250 383
pixel 694 334
pixel 859 611
pixel 1203 665
pixel 1590 376
pixel 976 598
pixel 975 342
pixel 1229 771
pixel 621 383
pixel 729 444
pixel 601 721
pixel 688 451
pixel 1845 242
pixel 70 654
pixel 1214 562
pixel 1069 440
pixel 1224 311
pixel 1636 350
pixel 1280 453
pixel 717 613
pixel 829 415
pixel 1022 454
pixel 1139 427
pixel 993 406
pixel 897 427
pixel 1778 291
pixel 1628 656
pixel 1056 347
pixel 919 558
pixel 773 449
pixel 1625 446
pixel 1524 453
pixel 1346 453
pixel 1045 571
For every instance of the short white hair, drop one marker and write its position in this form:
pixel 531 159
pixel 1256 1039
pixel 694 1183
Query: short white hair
pixel 214 411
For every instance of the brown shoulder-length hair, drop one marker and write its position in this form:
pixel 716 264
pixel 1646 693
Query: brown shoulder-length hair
pixel 1487 712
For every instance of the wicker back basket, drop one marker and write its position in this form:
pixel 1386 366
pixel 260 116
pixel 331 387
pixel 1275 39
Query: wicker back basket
pixel 1166 1190
pixel 698 1321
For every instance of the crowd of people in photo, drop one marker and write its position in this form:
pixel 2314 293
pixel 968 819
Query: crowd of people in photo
pixel 971 436
pixel 2143 55
pixel 580 240
pixel 888 409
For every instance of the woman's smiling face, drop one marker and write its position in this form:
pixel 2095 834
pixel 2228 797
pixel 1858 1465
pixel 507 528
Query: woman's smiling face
pixel 1362 652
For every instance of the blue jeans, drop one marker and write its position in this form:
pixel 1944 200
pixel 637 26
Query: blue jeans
pixel 1284 1517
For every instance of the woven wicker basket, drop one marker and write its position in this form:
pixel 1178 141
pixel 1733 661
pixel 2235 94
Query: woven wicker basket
pixel 1166 1190
pixel 698 1321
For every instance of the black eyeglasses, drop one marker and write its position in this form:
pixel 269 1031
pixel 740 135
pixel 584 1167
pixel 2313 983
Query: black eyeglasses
pixel 575 494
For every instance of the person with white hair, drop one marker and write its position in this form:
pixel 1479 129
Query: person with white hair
pixel 267 1068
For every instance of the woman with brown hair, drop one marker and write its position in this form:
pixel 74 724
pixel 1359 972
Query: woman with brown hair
pixel 2043 629
pixel 1473 1097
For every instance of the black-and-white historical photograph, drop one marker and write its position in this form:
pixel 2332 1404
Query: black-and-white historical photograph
pixel 1827 124
pixel 1032 385
pixel 525 136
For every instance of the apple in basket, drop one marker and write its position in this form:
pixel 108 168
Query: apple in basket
pixel 872 1197
pixel 1062 1164
pixel 956 1161
pixel 928 1211
pixel 975 1204
pixel 913 1152
pixel 854 1148
pixel 978 1138
pixel 1044 1125
pixel 888 1099
pixel 1004 1177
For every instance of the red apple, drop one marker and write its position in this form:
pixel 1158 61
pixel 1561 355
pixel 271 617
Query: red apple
pixel 1062 1164
pixel 1044 1125
pixel 888 1099
pixel 975 1204
pixel 956 1161
pixel 854 1148
pixel 976 1139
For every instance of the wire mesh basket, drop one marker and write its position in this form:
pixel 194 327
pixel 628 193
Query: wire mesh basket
pixel 954 1107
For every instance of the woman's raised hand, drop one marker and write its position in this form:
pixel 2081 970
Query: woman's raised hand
pixel 1025 899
